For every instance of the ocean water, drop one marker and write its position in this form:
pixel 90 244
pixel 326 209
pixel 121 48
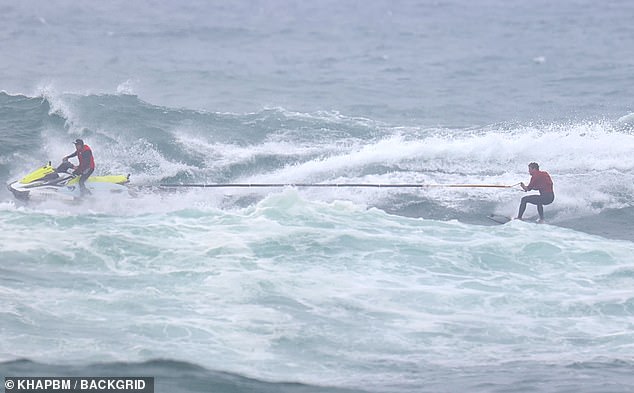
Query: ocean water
pixel 313 289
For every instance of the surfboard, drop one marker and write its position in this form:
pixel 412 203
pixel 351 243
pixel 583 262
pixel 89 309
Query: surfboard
pixel 500 219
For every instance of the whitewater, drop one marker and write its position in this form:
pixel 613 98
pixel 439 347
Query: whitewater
pixel 322 289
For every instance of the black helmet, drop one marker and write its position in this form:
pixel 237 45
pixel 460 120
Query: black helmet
pixel 78 142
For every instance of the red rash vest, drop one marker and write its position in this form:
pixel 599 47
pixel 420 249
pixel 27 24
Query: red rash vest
pixel 541 181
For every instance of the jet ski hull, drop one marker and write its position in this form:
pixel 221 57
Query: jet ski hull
pixel 66 193
pixel 46 183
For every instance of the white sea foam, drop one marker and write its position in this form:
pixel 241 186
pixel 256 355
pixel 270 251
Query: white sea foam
pixel 127 87
pixel 293 283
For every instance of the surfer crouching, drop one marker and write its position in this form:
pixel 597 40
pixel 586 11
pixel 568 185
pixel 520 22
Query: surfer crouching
pixel 541 181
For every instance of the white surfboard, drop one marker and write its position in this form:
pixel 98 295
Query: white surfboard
pixel 500 219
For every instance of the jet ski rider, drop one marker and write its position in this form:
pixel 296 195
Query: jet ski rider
pixel 86 163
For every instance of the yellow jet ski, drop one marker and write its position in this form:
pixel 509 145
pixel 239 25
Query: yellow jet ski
pixel 56 183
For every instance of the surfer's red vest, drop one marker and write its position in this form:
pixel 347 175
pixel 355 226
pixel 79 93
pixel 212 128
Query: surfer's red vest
pixel 80 156
pixel 541 181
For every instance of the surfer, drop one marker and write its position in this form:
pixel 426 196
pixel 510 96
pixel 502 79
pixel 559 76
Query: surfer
pixel 541 181
pixel 86 163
